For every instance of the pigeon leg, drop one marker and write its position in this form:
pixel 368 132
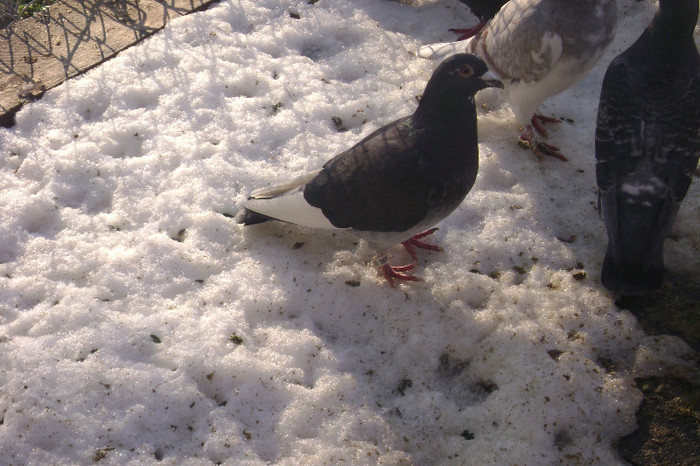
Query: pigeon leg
pixel 530 140
pixel 415 242
pixel 469 32
pixel 391 272
pixel 538 122
pixel 543 149
pixel 398 272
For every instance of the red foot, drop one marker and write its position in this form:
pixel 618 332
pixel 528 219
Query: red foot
pixel 538 122
pixel 397 272
pixel 391 272
pixel 470 32
pixel 530 140
pixel 415 242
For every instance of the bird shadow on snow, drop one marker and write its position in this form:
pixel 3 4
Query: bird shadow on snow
pixel 390 341
pixel 305 249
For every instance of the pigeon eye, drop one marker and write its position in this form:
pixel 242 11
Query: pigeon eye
pixel 466 71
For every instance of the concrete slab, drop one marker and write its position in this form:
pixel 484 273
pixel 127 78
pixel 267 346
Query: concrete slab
pixel 71 37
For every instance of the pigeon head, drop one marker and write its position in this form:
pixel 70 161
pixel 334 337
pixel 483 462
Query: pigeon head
pixel 464 74
pixel 449 94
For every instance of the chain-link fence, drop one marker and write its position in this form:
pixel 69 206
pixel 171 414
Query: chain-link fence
pixel 14 10
pixel 8 11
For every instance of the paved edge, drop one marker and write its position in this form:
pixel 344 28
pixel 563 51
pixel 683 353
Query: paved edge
pixel 71 37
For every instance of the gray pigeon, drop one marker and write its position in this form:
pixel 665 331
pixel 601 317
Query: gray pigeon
pixel 400 180
pixel 647 145
pixel 539 48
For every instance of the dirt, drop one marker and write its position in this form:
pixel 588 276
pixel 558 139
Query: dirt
pixel 669 416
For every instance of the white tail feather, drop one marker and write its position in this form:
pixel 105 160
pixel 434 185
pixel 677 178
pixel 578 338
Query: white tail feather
pixel 286 202
pixel 274 191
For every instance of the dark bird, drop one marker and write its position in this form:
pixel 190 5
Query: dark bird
pixel 484 10
pixel 647 145
pixel 539 48
pixel 400 180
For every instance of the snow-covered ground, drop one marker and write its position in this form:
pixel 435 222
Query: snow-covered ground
pixel 139 323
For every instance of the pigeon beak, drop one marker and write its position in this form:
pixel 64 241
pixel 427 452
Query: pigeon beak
pixel 491 80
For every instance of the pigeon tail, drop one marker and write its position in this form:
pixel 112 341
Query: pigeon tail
pixel 248 217
pixel 628 279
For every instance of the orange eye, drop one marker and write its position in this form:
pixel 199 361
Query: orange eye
pixel 466 71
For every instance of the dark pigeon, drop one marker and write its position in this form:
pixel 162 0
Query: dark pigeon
pixel 398 181
pixel 647 145
pixel 539 48
pixel 484 10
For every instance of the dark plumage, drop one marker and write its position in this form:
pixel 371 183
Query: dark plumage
pixel 647 145
pixel 484 10
pixel 398 181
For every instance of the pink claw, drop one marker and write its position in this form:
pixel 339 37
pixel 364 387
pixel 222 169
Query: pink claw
pixel 538 122
pixel 529 138
pixel 397 272
pixel 415 242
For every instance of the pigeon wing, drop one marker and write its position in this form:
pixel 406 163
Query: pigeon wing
pixel 527 59
pixel 679 148
pixel 615 134
pixel 379 184
pixel 644 164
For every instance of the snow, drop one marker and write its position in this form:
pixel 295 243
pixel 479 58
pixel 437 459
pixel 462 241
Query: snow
pixel 139 323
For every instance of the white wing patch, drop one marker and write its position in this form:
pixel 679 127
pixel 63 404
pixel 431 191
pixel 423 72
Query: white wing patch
pixel 290 207
pixel 550 50
pixel 654 186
